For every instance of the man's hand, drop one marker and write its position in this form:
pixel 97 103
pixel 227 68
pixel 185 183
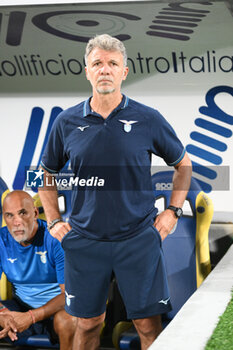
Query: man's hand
pixel 165 222
pixel 9 327
pixel 60 230
pixel 23 320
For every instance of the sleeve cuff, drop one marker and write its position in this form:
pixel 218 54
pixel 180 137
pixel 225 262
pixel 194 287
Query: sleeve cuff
pixel 179 159
pixel 48 169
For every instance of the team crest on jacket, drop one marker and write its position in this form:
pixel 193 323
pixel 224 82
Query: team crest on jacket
pixel 128 124
pixel 42 256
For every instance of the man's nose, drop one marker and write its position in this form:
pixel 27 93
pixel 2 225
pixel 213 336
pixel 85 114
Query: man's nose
pixel 105 69
pixel 17 221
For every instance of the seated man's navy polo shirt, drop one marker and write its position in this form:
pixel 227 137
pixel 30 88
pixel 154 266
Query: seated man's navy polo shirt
pixel 117 149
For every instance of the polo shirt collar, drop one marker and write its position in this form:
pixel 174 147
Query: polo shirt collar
pixel 88 111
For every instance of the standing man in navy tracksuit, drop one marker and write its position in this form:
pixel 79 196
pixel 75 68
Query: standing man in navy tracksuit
pixel 114 227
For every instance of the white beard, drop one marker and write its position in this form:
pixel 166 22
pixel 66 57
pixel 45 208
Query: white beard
pixel 105 91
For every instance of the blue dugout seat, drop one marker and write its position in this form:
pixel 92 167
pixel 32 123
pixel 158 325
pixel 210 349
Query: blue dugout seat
pixel 186 251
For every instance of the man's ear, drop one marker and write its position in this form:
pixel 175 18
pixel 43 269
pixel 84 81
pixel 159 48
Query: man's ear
pixel 126 71
pixel 86 71
pixel 36 212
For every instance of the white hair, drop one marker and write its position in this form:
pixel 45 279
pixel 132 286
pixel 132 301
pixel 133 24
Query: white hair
pixel 108 43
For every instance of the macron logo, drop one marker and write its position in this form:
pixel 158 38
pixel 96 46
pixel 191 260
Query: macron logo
pixel 12 260
pixel 68 297
pixel 164 301
pixel 82 128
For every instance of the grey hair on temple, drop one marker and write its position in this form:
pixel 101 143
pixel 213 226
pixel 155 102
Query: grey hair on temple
pixel 108 43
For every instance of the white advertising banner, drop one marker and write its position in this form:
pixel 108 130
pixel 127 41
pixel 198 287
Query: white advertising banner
pixel 180 58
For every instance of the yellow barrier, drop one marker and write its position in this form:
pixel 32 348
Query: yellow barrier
pixel 204 212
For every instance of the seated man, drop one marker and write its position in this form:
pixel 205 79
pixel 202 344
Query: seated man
pixel 33 262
